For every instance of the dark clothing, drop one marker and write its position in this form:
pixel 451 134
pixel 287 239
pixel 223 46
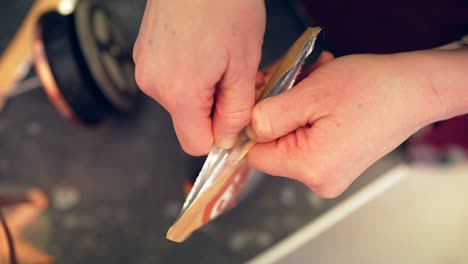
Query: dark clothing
pixel 388 26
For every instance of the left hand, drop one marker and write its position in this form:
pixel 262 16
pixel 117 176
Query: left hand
pixel 342 118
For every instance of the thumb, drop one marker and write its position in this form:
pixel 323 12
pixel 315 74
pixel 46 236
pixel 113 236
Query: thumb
pixel 277 116
pixel 282 110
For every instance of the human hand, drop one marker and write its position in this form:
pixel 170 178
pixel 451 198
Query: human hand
pixel 199 59
pixel 342 118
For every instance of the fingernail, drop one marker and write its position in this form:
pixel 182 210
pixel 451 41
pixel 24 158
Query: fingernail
pixel 226 142
pixel 249 132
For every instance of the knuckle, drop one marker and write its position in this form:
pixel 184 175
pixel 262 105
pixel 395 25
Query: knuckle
pixel 136 51
pixel 319 181
pixel 327 192
pixel 236 118
pixel 193 145
pixel 153 85
pixel 311 177
pixel 141 78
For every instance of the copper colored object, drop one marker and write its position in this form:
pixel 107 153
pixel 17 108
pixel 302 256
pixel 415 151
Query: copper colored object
pixel 71 64
pixel 22 212
pixel 18 52
pixel 49 84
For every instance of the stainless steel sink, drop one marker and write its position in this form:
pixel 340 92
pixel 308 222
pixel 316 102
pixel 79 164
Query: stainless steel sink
pixel 408 215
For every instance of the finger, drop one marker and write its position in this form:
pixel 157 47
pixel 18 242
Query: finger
pixel 291 124
pixel 277 116
pixel 192 124
pixel 277 158
pixel 259 80
pixel 259 85
pixel 234 102
pixel 319 160
pixel 324 57
pixel 265 74
pixel 190 110
pixel 188 100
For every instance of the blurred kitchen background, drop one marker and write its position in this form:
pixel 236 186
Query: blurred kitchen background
pixel 115 189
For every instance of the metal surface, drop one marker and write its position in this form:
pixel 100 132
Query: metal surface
pixel 67 80
pixel 108 55
pixel 17 56
pixel 24 86
pixel 47 78
pixel 86 70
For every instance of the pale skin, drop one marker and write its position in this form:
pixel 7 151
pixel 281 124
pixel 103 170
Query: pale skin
pixel 334 124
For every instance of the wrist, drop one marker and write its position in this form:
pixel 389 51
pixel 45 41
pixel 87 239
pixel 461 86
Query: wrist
pixel 443 81
pixel 448 77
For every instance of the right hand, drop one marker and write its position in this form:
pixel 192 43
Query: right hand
pixel 351 111
pixel 196 57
